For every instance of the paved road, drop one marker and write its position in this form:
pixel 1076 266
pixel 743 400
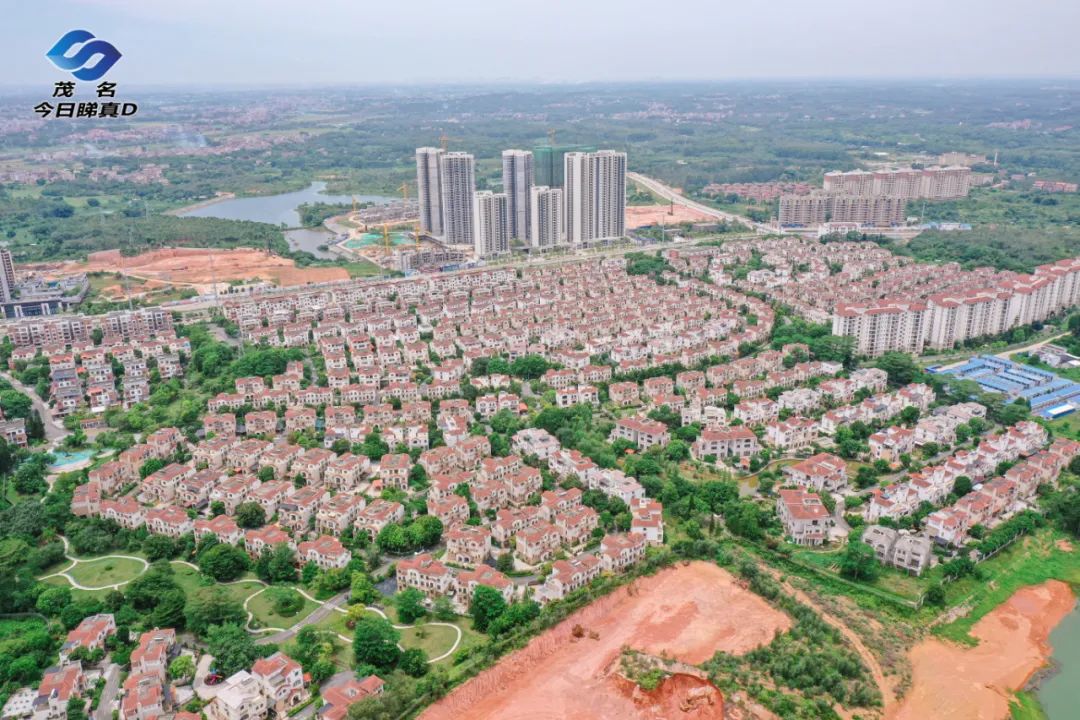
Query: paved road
pixel 670 194
pixel 320 613
pixel 54 431
pixel 108 695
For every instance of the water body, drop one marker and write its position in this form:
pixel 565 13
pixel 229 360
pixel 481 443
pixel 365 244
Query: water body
pixel 278 209
pixel 309 240
pixel 1060 694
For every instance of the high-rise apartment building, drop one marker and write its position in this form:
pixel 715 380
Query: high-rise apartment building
pixel 932 183
pixel 492 219
pixel 429 189
pixel 546 221
pixel 595 196
pixel 817 208
pixel 549 163
pixel 7 275
pixel 517 166
pixel 458 192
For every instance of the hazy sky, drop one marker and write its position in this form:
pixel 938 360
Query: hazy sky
pixel 366 41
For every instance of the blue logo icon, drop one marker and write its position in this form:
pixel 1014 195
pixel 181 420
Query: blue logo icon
pixel 79 63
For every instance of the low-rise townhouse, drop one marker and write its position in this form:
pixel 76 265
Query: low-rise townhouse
pixel 222 527
pixel 378 515
pixel 804 517
pixel 738 442
pixel 647 518
pixel 426 574
pixel 325 551
pixel 822 472
pixel 618 552
pixel 483 575
pixel 537 543
pixel 468 545
pixel 265 538
pixel 641 432
pixel 794 434
pixel 90 634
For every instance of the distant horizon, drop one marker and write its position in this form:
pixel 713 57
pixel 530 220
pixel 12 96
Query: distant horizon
pixel 533 83
pixel 331 42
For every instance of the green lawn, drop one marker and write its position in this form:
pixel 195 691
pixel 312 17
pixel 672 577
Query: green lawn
pixel 889 580
pixel 106 571
pixel 189 578
pixel 243 590
pixel 77 594
pixel 432 639
pixel 262 607
pixel 362 268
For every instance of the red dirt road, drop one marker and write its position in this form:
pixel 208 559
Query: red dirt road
pixel 688 612
pixel 644 215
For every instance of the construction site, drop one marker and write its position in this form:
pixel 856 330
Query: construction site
pixel 199 269
pixel 679 617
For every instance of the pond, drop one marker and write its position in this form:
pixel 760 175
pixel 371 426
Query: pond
pixel 1059 694
pixel 65 461
pixel 277 209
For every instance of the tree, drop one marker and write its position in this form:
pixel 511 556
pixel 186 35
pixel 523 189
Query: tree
pixel 52 600
pixel 899 366
pixel 375 643
pixel 233 648
pixel 374 446
pixel 266 474
pixel 961 486
pixel 529 367
pixel 745 520
pixel 505 563
pixel 287 602
pixel 182 668
pixel 214 606
pixel 169 609
pixel 250 515
pixel 362 589
pixel 487 604
pixel 224 562
pixel 858 562
pixel 332 581
pixel 410 605
pixel 443 609
pixel 414 661
pixel 281 566
pixel 935 594
pixel 150 467
pixel 159 547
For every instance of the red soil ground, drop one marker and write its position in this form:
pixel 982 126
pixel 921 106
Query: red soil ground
pixel 960 683
pixel 199 267
pixel 642 215
pixel 687 612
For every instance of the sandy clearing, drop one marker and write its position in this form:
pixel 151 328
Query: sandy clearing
pixel 950 681
pixel 642 215
pixel 688 612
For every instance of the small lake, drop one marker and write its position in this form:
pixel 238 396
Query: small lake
pixel 309 240
pixel 278 209
pixel 1059 695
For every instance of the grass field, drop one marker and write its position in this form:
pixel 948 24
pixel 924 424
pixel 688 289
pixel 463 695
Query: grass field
pixel 106 571
pixel 262 607
pixel 1025 706
pixel 1030 561
pixel 432 639
pixel 361 268
pixel 189 578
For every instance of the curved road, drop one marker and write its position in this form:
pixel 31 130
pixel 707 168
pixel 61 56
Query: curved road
pixel 54 431
pixel 670 194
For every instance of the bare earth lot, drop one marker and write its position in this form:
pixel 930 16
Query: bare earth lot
pixel 686 612
pixel 950 681
pixel 198 267
pixel 643 215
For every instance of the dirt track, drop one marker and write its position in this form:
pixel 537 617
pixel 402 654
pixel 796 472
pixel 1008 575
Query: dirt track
pixel 687 612
pixel 976 683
